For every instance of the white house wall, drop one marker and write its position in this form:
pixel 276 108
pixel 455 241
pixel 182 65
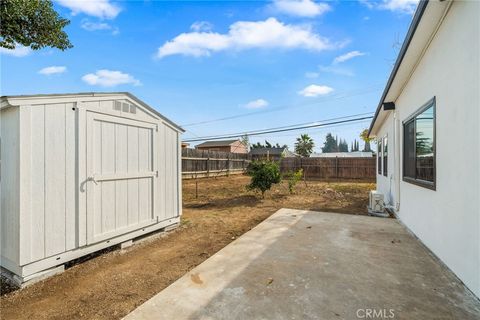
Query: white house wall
pixel 387 184
pixel 448 220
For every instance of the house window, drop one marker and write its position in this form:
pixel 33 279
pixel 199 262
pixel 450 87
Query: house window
pixel 379 156
pixel 419 147
pixel 385 156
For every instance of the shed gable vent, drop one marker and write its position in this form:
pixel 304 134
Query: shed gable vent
pixel 117 105
pixel 124 107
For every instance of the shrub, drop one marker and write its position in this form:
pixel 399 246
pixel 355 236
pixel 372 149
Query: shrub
pixel 264 174
pixel 293 178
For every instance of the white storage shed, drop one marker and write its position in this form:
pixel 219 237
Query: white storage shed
pixel 82 172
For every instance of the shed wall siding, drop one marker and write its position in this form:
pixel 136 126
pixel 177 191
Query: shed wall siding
pixel 44 177
pixel 9 183
pixel 171 172
pixel 49 227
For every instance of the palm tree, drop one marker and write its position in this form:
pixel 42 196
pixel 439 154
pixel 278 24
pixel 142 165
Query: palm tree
pixel 304 145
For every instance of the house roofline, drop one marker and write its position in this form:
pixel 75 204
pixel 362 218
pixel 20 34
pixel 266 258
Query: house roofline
pixel 422 5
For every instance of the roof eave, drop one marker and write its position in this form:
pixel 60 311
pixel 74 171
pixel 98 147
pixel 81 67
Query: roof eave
pixel 408 38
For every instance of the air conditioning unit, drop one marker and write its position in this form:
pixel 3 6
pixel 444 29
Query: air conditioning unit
pixel 376 203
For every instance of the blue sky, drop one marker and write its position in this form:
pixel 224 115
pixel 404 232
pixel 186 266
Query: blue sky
pixel 285 61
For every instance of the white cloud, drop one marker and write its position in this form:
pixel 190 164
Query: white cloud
pixel 406 6
pixel 336 70
pixel 103 9
pixel 98 26
pixel 348 56
pixel 402 6
pixel 311 75
pixel 199 26
pixel 109 78
pixel 53 70
pixel 19 51
pixel 314 90
pixel 270 33
pixel 257 104
pixel 301 8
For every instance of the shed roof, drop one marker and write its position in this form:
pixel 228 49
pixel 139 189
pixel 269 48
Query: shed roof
pixel 16 100
pixel 218 143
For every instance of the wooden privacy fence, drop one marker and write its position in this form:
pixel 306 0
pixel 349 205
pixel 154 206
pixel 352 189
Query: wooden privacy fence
pixel 204 163
pixel 332 168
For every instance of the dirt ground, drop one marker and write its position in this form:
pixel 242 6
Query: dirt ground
pixel 114 283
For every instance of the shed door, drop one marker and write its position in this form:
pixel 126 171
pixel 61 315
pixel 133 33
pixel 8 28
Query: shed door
pixel 121 171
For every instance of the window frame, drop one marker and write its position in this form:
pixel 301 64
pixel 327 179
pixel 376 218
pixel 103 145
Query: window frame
pixel 380 156
pixel 385 156
pixel 422 183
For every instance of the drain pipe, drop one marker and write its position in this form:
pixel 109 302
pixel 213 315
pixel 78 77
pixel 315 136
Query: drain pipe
pixel 394 205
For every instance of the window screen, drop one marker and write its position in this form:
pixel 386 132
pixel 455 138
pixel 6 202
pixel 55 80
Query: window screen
pixel 385 156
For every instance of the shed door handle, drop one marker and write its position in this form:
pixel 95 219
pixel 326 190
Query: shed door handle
pixel 92 178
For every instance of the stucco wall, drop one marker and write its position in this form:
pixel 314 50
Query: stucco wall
pixel 448 220
pixel 387 184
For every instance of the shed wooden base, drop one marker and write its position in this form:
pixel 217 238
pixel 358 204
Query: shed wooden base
pixel 39 270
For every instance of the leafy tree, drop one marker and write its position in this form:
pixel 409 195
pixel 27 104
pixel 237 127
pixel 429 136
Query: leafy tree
pixel 264 174
pixel 355 146
pixel 366 139
pixel 304 145
pixel 424 145
pixel 260 145
pixel 256 145
pixel 277 145
pixel 343 146
pixel 330 144
pixel 32 23
pixel 292 179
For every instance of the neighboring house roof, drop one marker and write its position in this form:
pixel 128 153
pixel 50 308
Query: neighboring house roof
pixel 424 24
pixel 15 100
pixel 273 152
pixel 218 143
pixel 264 151
pixel 290 154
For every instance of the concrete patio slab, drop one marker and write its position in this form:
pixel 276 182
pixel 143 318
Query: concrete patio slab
pixel 316 265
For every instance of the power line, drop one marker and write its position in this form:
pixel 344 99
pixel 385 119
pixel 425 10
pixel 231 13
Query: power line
pixel 284 127
pixel 331 98
pixel 254 133
pixel 314 131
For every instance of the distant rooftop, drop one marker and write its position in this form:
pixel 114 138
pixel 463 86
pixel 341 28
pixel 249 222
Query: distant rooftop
pixel 217 143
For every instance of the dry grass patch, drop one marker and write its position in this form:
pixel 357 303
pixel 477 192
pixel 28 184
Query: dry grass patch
pixel 111 285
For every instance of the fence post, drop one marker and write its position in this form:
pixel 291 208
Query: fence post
pixel 228 165
pixel 208 166
pixel 196 179
pixel 336 167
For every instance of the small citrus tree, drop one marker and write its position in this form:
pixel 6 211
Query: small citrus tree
pixel 264 174
pixel 292 178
